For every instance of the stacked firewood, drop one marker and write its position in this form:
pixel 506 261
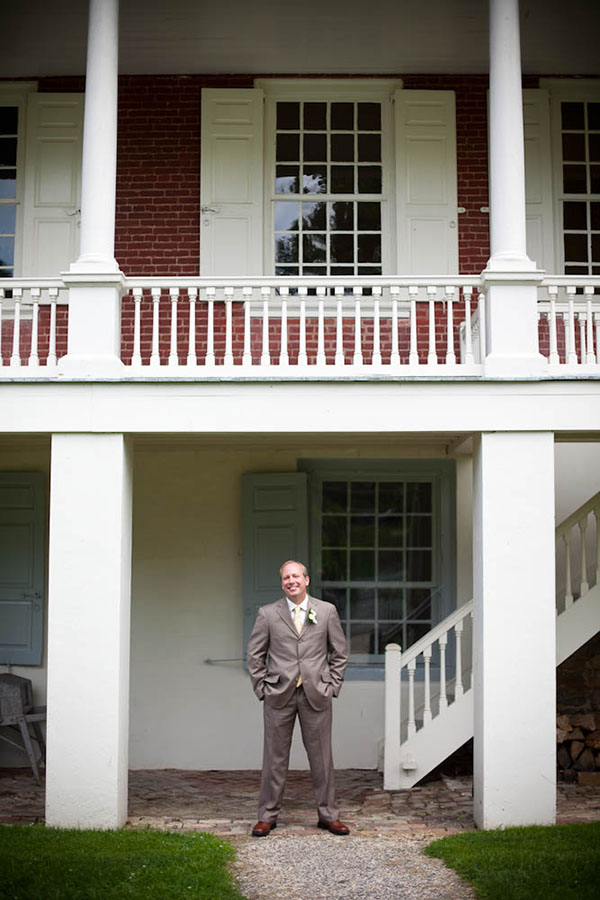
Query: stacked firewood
pixel 578 740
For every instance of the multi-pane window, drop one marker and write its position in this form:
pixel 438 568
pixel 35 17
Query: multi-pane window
pixel 580 135
pixel 328 188
pixel 378 560
pixel 9 120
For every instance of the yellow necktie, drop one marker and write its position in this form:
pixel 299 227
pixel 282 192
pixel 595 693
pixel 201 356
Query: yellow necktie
pixel 298 626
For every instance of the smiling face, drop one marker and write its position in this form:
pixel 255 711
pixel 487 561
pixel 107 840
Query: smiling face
pixel 294 582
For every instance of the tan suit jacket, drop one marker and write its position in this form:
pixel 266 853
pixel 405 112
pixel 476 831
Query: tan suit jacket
pixel 277 654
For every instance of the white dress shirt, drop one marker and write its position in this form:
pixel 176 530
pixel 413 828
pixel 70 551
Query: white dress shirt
pixel 303 606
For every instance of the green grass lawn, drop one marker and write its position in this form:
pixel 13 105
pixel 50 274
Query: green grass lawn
pixel 557 863
pixel 38 863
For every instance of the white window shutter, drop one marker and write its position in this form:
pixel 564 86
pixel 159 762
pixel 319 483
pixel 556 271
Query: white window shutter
pixel 231 187
pixel 52 196
pixel 538 178
pixel 425 125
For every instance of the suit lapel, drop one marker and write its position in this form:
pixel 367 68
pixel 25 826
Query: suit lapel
pixel 283 610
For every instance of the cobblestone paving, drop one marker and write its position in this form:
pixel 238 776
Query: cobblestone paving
pixel 225 802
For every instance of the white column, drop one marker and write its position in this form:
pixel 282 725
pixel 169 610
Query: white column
pixel 88 631
pixel 94 280
pixel 99 163
pixel 510 278
pixel 514 631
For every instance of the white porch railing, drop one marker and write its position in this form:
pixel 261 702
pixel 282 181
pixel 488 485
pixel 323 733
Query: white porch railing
pixel 287 328
pixel 569 333
pixel 33 326
pixel 283 327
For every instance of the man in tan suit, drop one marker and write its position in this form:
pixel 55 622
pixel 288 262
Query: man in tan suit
pixel 296 660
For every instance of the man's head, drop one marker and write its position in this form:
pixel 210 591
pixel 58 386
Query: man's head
pixel 294 580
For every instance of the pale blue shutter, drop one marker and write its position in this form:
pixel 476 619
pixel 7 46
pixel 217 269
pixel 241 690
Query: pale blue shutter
pixel 274 528
pixel 22 541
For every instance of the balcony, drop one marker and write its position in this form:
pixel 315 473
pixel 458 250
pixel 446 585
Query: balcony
pixel 289 329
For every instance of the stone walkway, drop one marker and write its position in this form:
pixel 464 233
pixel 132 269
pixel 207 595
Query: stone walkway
pixel 225 802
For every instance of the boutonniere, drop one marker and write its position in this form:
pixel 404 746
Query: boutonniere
pixel 312 616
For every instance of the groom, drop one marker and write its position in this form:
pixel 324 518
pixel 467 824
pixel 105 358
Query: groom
pixel 296 660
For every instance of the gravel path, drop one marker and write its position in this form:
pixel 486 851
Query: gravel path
pixel 363 866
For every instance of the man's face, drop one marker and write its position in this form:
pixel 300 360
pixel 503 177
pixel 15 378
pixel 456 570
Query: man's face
pixel 294 582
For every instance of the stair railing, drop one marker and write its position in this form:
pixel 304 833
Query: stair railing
pixel 572 534
pixel 396 661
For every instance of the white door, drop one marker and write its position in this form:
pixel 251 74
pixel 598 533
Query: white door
pixel 52 197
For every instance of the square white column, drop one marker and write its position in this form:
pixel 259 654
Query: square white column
pixel 514 630
pixel 88 631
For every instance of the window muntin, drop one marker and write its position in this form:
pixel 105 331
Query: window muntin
pixel 580 186
pixel 9 122
pixel 379 559
pixel 328 188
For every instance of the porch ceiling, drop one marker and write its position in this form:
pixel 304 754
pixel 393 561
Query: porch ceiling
pixel 48 37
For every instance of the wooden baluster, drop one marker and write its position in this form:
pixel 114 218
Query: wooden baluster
pixel 450 353
pixel 173 356
pixel 247 351
pixel 321 360
pixel 553 358
pixel 432 358
pixel 482 327
pixel 34 359
pixel 571 347
pixel 412 725
pixel 284 357
pixel 192 359
pixel 427 702
pixel 443 642
pixel 376 358
pixel 469 356
pixel 228 356
pixel 413 354
pixel 395 352
pixel 15 359
pixel 597 324
pixel 265 356
pixel 155 355
pixel 582 350
pixel 53 295
pixel 590 357
pixel 568 579
pixel 136 356
pixel 584 586
pixel 302 357
pixel 357 359
pixel 458 681
pixel 339 327
pixel 210 327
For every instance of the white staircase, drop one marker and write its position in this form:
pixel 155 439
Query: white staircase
pixel 423 726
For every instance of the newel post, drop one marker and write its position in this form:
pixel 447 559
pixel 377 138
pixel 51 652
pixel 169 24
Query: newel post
pixel 393 718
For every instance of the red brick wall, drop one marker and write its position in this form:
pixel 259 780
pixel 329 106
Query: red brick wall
pixel 158 182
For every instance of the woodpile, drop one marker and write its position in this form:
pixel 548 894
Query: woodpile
pixel 578 745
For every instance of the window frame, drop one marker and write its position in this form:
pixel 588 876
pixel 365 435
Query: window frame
pixel 332 90
pixel 563 90
pixel 16 94
pixel 442 474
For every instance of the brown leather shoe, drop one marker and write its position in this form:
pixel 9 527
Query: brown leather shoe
pixel 335 827
pixel 262 829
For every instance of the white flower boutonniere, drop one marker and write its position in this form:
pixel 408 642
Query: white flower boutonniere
pixel 312 616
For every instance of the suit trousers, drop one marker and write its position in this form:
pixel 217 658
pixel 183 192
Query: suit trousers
pixel 315 726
